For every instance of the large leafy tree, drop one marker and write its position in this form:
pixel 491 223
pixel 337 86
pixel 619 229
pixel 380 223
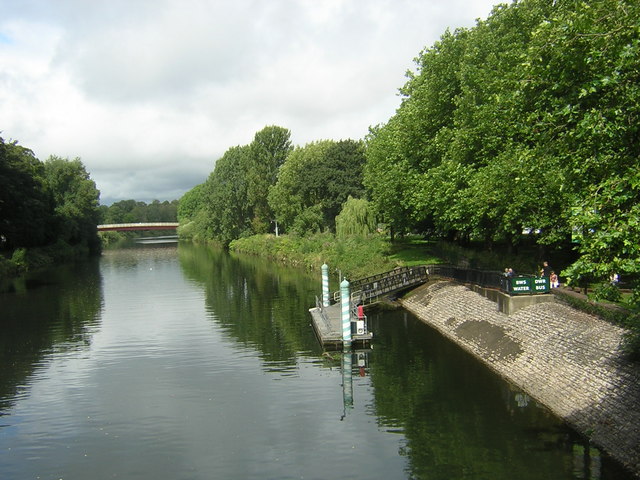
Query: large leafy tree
pixel 25 207
pixel 226 206
pixel 607 230
pixel 76 201
pixel 190 203
pixel 416 139
pixel 314 182
pixel 504 127
pixel 584 77
pixel 356 218
pixel 268 151
pixel 299 185
pixel 342 173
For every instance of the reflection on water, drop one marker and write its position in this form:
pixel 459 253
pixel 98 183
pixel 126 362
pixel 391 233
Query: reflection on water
pixel 172 363
pixel 43 317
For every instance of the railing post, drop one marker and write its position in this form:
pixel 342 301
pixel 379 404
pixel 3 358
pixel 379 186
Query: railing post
pixel 346 311
pixel 325 285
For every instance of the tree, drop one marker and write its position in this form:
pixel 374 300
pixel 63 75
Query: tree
pixel 226 205
pixel 355 218
pixel 76 201
pixel 190 203
pixel 25 206
pixel 341 173
pixel 607 230
pixel 316 180
pixel 298 186
pixel 268 151
pixel 401 153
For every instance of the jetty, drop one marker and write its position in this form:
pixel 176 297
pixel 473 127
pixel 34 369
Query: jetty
pixel 344 322
pixel 327 323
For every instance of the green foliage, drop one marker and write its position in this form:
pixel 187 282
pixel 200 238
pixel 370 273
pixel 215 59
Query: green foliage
pixel 132 211
pixel 355 257
pixel 505 126
pixel 25 205
pixel 75 197
pixel 356 218
pixel 190 203
pixel 607 226
pixel 226 213
pixel 299 185
pixel 268 151
pixel 232 203
pixel 317 178
pixel 48 211
pixel 309 221
pixel 607 291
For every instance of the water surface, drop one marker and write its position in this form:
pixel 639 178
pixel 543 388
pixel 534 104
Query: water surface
pixel 187 363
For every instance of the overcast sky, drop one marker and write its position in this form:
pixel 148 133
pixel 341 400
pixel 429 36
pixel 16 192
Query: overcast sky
pixel 150 93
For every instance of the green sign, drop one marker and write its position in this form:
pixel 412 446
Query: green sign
pixel 541 285
pixel 528 285
pixel 520 285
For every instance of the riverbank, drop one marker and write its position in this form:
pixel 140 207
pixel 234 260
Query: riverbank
pixel 22 260
pixel 568 360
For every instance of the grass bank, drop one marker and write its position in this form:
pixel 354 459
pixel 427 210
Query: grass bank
pixel 360 256
pixel 355 257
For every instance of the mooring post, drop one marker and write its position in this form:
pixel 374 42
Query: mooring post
pixel 347 379
pixel 325 285
pixel 345 304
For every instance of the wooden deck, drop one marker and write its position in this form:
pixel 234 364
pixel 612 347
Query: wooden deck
pixel 327 324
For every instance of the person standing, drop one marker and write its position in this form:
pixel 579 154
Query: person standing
pixel 546 269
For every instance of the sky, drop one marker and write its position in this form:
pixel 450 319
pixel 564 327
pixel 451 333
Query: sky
pixel 150 93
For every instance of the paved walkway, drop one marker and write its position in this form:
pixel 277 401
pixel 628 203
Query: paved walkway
pixel 568 360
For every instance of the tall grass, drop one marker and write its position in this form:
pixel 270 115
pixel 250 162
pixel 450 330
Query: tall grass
pixel 355 256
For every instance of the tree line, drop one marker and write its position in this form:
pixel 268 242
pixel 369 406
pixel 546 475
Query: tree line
pixel 521 129
pixel 269 183
pixel 525 126
pixel 135 211
pixel 50 204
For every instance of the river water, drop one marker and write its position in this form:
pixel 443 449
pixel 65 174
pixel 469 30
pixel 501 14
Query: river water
pixel 166 362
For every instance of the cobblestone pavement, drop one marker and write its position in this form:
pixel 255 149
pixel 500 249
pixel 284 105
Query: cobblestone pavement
pixel 568 360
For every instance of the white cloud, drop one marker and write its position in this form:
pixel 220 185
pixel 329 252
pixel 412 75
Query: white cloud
pixel 150 93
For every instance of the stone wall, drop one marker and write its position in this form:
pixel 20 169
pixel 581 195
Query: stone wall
pixel 567 360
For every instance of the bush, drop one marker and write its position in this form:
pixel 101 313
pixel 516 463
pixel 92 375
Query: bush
pixel 607 291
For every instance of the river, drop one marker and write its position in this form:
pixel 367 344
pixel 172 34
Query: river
pixel 166 362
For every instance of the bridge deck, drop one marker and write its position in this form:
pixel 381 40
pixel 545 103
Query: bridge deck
pixel 373 289
pixel 327 323
pixel 126 227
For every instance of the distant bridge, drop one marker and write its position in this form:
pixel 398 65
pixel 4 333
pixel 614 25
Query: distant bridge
pixel 128 227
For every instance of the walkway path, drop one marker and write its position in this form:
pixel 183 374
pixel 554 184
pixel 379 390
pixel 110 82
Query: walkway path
pixel 568 360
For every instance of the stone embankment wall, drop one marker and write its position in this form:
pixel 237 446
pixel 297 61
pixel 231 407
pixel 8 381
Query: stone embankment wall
pixel 567 360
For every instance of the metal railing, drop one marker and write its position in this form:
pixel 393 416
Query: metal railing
pixel 369 289
pixel 517 285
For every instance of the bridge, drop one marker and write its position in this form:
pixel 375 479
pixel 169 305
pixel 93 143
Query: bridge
pixel 372 289
pixel 129 227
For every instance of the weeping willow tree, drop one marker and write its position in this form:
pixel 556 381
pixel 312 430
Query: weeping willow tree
pixel 355 218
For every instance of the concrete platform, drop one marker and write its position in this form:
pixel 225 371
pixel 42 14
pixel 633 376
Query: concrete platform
pixel 327 324
pixel 508 304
